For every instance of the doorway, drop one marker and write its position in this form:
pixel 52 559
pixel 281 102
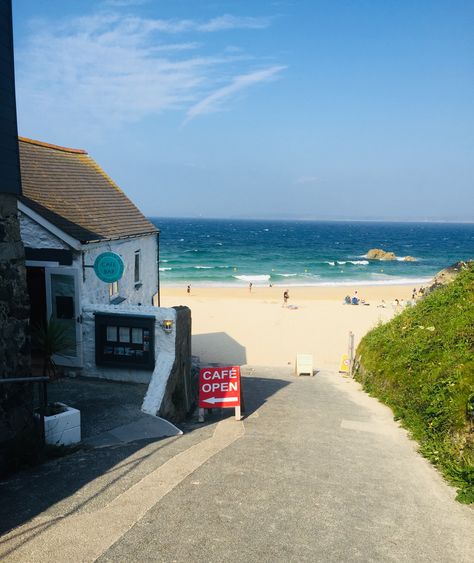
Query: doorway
pixel 54 295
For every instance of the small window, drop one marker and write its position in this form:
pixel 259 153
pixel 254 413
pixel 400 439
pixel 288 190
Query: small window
pixel 113 289
pixel 137 267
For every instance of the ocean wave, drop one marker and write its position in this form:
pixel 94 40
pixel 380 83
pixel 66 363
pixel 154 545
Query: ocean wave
pixel 330 263
pixel 355 262
pixel 203 267
pixel 254 278
pixel 397 258
pixel 403 259
pixel 346 283
pixel 165 269
pixel 286 275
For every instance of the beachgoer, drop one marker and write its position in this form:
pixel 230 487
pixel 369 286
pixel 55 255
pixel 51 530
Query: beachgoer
pixel 188 289
pixel 347 300
pixel 286 296
pixel 250 287
pixel 355 298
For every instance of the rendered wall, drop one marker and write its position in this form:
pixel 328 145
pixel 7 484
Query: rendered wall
pixel 96 291
pixel 92 289
pixel 36 236
pixel 164 344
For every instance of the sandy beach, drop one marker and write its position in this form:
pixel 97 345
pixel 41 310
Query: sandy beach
pixel 236 326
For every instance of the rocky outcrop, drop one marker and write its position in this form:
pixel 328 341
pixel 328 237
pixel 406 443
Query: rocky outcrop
pixel 379 254
pixel 449 274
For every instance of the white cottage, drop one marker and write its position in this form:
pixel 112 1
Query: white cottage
pixel 70 213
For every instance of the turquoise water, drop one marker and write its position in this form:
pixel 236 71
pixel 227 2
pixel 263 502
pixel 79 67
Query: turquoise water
pixel 289 253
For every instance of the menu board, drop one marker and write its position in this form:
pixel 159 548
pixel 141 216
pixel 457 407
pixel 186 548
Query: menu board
pixel 125 340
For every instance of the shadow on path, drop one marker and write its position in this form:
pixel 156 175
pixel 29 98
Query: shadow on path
pixel 31 492
pixel 219 347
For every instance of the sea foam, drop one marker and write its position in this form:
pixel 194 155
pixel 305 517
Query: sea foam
pixel 254 278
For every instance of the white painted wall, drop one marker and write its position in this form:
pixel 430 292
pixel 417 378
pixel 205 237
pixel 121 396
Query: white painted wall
pixel 36 236
pixel 164 352
pixel 93 290
pixel 97 291
pixel 94 296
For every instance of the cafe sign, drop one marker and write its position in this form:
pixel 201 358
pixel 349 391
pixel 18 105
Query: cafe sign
pixel 108 267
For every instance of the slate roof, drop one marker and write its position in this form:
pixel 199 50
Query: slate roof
pixel 69 189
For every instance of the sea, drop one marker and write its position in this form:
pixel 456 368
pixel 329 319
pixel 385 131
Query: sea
pixel 230 252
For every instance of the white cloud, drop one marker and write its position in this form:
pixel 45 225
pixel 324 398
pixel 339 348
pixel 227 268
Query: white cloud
pixel 213 102
pixel 227 21
pixel 107 69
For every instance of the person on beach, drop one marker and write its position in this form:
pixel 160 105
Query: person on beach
pixel 250 287
pixel 286 296
pixel 188 289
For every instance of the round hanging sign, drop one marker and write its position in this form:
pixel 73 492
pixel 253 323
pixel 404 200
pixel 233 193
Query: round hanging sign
pixel 108 267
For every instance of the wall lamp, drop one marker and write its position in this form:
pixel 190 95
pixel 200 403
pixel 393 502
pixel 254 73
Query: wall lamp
pixel 167 326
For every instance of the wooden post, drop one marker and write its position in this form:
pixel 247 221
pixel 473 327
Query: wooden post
pixel 201 415
pixel 351 352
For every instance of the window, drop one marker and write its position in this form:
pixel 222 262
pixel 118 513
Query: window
pixel 125 341
pixel 113 289
pixel 137 267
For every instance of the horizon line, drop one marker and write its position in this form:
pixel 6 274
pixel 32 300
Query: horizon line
pixel 321 220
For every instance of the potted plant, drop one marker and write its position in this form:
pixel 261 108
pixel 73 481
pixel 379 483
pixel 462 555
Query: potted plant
pixel 62 424
pixel 50 339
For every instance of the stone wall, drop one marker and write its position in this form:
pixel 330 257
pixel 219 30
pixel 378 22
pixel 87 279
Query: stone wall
pixel 16 416
pixel 181 389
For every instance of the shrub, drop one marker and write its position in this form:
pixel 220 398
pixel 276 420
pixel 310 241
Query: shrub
pixel 421 364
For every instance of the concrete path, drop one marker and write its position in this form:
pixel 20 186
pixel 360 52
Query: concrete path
pixel 317 472
pixel 146 427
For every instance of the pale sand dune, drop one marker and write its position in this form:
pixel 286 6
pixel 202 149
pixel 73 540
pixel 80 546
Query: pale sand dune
pixel 232 325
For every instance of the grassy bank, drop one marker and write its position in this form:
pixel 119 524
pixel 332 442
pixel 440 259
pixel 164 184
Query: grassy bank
pixel 421 364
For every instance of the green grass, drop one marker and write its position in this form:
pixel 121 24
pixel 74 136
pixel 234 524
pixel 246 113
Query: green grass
pixel 421 364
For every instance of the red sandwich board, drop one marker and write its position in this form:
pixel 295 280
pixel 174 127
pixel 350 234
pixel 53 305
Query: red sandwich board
pixel 219 387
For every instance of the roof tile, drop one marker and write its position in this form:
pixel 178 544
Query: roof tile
pixel 70 190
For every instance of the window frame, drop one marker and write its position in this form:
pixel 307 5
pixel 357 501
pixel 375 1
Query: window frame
pixel 137 269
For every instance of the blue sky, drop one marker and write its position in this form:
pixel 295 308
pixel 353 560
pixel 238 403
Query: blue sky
pixel 278 109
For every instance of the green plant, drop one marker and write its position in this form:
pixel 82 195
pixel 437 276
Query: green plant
pixel 422 365
pixel 52 338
